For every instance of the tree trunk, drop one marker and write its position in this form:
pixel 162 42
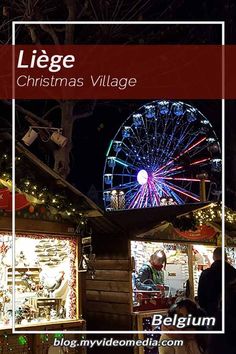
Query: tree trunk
pixel 62 155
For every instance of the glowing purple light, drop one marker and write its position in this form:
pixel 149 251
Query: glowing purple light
pixel 142 177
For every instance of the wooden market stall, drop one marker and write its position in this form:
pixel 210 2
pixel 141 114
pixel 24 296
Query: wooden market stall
pixel 109 295
pixel 50 221
pixel 188 232
pixel 196 244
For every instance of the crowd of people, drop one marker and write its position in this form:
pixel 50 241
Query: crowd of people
pixel 208 303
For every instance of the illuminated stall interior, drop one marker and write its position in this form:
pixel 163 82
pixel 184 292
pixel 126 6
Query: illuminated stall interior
pixel 188 253
pixel 45 279
pixel 176 273
pixel 188 242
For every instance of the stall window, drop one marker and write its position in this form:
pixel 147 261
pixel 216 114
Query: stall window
pixel 158 289
pixel 159 293
pixel 46 287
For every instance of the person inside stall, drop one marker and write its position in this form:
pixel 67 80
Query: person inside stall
pixel 151 276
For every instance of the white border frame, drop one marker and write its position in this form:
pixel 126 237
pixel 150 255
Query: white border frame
pixel 222 23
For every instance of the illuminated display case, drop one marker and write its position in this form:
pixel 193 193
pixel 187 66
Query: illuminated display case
pixel 175 274
pixel 46 281
pixel 184 262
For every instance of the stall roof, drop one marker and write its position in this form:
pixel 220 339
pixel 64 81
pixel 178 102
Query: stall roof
pixel 156 223
pixel 135 221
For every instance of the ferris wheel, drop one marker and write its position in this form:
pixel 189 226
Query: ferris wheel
pixel 159 156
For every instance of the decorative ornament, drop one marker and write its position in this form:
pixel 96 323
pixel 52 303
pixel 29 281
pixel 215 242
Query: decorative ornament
pixel 22 340
pixel 44 338
pixel 31 209
pixel 3 248
pixel 42 210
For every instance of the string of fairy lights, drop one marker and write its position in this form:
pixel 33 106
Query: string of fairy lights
pixel 213 213
pixel 41 199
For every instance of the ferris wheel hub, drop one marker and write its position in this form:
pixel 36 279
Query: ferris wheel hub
pixel 142 177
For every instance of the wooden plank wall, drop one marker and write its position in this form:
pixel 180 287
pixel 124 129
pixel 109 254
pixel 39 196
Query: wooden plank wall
pixel 108 296
pixel 36 226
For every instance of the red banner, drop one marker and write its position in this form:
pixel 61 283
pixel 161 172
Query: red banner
pixel 117 72
pixel 5 196
pixel 203 232
pixel 21 201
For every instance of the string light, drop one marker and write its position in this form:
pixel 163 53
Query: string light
pixel 213 213
pixel 44 338
pixel 10 343
pixel 14 344
pixel 38 194
pixel 22 340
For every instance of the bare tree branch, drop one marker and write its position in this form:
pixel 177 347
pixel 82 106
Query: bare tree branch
pixel 89 113
pixel 33 34
pixel 51 110
pixel 32 115
pixel 70 29
pixel 51 32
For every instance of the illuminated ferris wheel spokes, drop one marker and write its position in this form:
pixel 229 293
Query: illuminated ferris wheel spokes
pixel 157 155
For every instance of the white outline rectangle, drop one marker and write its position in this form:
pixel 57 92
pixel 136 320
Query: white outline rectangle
pixel 222 23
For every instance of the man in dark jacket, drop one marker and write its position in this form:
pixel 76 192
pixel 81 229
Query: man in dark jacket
pixel 152 274
pixel 210 283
